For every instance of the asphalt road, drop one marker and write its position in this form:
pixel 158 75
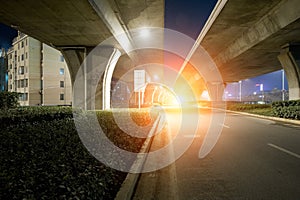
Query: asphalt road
pixel 253 159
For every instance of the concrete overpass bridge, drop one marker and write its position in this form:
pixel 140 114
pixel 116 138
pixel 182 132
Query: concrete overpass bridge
pixel 248 39
pixel 244 39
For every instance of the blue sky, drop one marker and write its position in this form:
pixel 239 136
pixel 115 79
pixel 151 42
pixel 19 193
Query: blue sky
pixel 7 34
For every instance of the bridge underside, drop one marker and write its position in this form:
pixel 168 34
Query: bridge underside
pixel 244 40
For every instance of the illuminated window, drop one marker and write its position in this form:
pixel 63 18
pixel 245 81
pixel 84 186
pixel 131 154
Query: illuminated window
pixel 21 70
pixel 61 71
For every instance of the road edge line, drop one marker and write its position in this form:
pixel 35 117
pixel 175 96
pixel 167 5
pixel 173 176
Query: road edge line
pixel 128 186
pixel 291 121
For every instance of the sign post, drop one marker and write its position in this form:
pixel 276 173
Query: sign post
pixel 139 83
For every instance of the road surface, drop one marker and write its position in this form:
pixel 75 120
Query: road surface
pixel 253 159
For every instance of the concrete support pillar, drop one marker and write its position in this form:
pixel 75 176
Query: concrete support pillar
pixel 216 90
pixel 91 74
pixel 290 61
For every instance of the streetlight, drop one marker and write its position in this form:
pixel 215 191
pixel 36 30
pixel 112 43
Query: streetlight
pixel 240 93
pixel 282 72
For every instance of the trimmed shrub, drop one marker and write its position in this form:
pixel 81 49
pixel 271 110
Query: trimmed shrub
pixel 42 156
pixel 13 117
pixel 8 100
pixel 286 109
pixel 246 107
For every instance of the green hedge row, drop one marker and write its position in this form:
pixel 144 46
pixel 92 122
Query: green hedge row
pixel 8 100
pixel 286 109
pixel 13 117
pixel 246 107
pixel 42 156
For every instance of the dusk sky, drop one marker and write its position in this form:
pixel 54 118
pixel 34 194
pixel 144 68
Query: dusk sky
pixel 7 34
pixel 189 18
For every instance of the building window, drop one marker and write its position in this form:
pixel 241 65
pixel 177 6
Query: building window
pixel 22 57
pixel 62 59
pixel 26 83
pixel 26 41
pixel 26 55
pixel 61 71
pixel 18 45
pixel 22 83
pixel 62 97
pixel 23 97
pixel 62 84
pixel 21 70
pixel 22 44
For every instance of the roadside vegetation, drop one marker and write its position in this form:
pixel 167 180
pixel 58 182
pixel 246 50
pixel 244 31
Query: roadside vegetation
pixel 8 100
pixel 42 156
pixel 281 109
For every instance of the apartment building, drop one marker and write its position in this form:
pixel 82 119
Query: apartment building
pixel 3 70
pixel 38 72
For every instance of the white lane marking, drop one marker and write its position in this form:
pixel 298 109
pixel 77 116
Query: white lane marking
pixel 284 150
pixel 225 126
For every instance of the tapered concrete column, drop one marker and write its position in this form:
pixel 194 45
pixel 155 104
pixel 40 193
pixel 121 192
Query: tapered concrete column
pixel 91 73
pixel 216 90
pixel 290 61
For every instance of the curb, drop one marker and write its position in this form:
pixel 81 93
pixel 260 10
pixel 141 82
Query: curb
pixel 128 186
pixel 291 121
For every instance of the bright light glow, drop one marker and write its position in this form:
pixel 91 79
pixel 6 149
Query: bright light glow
pixel 174 101
pixel 145 32
pixel 205 95
pixel 156 77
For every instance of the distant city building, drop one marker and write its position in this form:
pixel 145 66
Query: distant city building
pixel 3 70
pixel 38 72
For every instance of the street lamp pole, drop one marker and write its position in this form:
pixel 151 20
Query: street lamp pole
pixel 240 82
pixel 282 84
